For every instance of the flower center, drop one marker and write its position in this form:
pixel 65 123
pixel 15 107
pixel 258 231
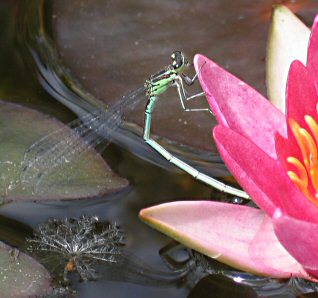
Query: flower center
pixel 306 175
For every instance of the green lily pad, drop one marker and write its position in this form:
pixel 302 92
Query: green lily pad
pixel 59 170
pixel 21 275
pixel 288 41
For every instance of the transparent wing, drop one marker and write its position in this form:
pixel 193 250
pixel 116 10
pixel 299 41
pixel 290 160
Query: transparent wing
pixel 66 145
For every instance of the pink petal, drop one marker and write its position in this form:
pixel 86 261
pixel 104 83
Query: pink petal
pixel 261 176
pixel 300 238
pixel 267 251
pixel 301 94
pixel 312 62
pixel 239 106
pixel 227 233
pixel 288 41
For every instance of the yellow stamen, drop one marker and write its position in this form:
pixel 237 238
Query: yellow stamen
pixel 300 168
pixel 298 182
pixel 311 147
pixel 313 126
pixel 309 168
pixel 314 178
pixel 300 141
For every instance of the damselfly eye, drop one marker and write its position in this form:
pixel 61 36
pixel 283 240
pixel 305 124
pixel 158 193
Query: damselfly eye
pixel 177 59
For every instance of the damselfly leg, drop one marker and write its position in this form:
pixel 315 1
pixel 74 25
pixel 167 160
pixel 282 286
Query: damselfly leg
pixel 178 82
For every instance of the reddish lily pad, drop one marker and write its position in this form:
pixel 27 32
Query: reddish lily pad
pixel 288 41
pixel 21 275
pixel 86 175
pixel 113 50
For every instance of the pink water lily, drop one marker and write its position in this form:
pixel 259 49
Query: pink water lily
pixel 274 157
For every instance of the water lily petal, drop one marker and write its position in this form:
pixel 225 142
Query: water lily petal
pixel 225 232
pixel 312 62
pixel 287 41
pixel 301 94
pixel 266 250
pixel 300 238
pixel 261 176
pixel 238 106
pixel 286 148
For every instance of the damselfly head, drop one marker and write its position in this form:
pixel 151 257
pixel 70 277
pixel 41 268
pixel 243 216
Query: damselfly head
pixel 178 60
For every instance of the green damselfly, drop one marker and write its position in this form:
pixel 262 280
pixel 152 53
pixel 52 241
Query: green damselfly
pixel 99 126
pixel 157 84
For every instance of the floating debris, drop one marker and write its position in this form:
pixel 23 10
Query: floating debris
pixel 82 243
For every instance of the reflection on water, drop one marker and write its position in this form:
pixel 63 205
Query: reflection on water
pixel 143 273
pixel 198 267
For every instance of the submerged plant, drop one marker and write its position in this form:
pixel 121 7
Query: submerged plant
pixel 81 243
pixel 274 157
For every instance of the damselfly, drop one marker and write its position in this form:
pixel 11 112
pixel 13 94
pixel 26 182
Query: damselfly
pixel 42 157
pixel 173 75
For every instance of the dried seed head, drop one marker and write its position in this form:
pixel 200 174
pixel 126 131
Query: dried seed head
pixel 81 242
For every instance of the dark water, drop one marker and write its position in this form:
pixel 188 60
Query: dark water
pixel 69 29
